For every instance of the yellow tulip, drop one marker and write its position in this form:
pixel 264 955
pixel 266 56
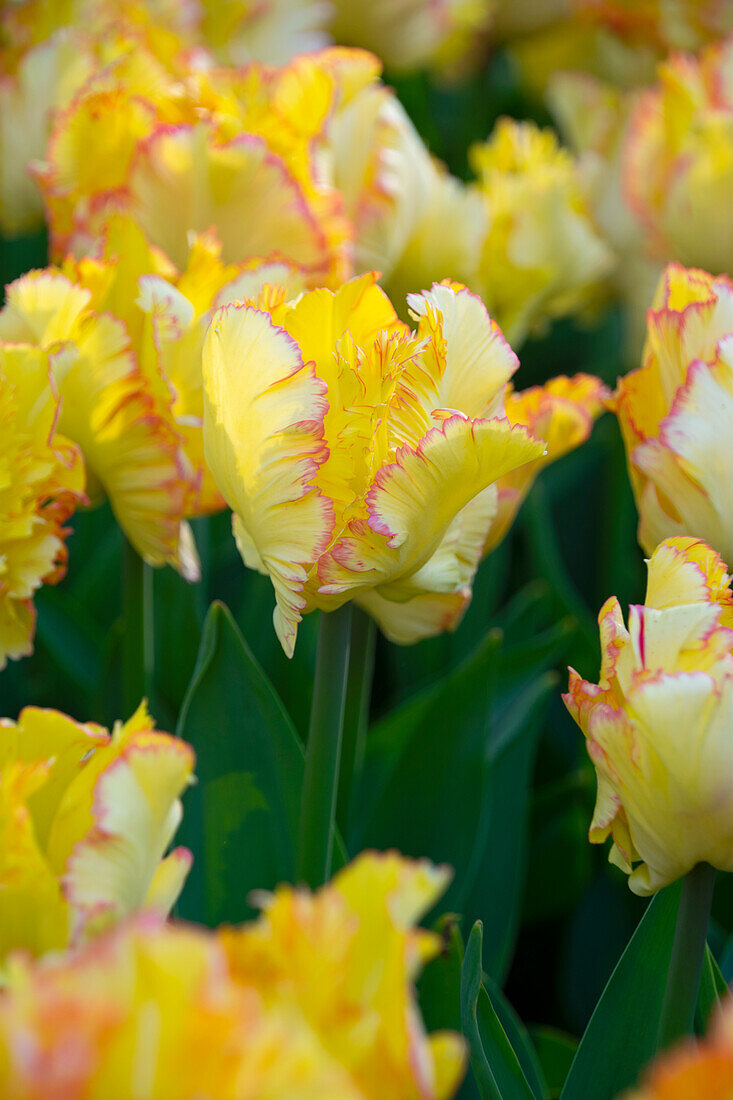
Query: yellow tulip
pixel 675 410
pixel 561 412
pixel 41 483
pixel 187 148
pixel 273 31
pixel 85 819
pixel 621 41
pixel 412 34
pixel 679 160
pixel 657 725
pixel 131 449
pixel 314 1001
pixel 345 959
pixel 151 1012
pixel 166 313
pixel 359 458
pixel 542 256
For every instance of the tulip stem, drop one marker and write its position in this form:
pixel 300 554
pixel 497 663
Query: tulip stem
pixel 323 751
pixel 688 949
pixel 138 637
pixel 356 712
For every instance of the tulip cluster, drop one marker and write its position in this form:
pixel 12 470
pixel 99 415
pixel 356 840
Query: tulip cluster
pixel 263 293
pixel 313 999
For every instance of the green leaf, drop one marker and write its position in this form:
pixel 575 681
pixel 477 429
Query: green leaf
pixel 555 1051
pixel 495 1065
pixel 240 819
pixel 519 1038
pixel 622 1034
pixel 712 987
pixel 459 755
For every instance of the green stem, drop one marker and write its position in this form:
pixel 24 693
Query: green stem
pixel 688 949
pixel 323 751
pixel 356 711
pixel 138 638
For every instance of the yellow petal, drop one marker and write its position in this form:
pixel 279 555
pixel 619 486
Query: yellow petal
pixel 263 432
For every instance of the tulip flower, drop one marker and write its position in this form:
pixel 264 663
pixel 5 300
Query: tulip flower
pixel 41 483
pixel 411 34
pixel 397 198
pixel 542 256
pixel 562 412
pixel 358 457
pixel 344 958
pixel 657 723
pixel 166 313
pixel 86 818
pixel 131 449
pixel 228 1020
pixel 679 160
pixel 250 138
pixel 675 410
pixel 272 31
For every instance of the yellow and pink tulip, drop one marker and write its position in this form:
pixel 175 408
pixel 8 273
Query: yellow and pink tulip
pixel 86 818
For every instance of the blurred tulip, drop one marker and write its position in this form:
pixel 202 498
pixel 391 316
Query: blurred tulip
pixel 542 256
pixel 675 412
pixel 657 725
pixel 41 483
pixel 315 999
pixel 345 959
pixel 358 457
pixel 132 453
pixel 412 34
pixel 678 160
pixel 695 1069
pixel 561 412
pixel 86 818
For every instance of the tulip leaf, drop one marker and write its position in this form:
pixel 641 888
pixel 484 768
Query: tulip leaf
pixel 240 819
pixel 713 986
pixel 495 1065
pixel 555 1051
pixel 622 1034
pixel 519 1038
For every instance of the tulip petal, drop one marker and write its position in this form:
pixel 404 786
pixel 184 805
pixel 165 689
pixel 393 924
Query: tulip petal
pixel 263 432
pixel 413 500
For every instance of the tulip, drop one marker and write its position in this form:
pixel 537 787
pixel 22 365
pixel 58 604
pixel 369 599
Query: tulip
pixel 562 412
pixel 358 457
pixel 41 483
pixel 657 729
pixel 541 256
pixel 411 34
pixel 251 139
pixel 132 452
pixel 657 723
pixel 674 412
pixel 679 160
pixel 86 817
pixel 314 999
